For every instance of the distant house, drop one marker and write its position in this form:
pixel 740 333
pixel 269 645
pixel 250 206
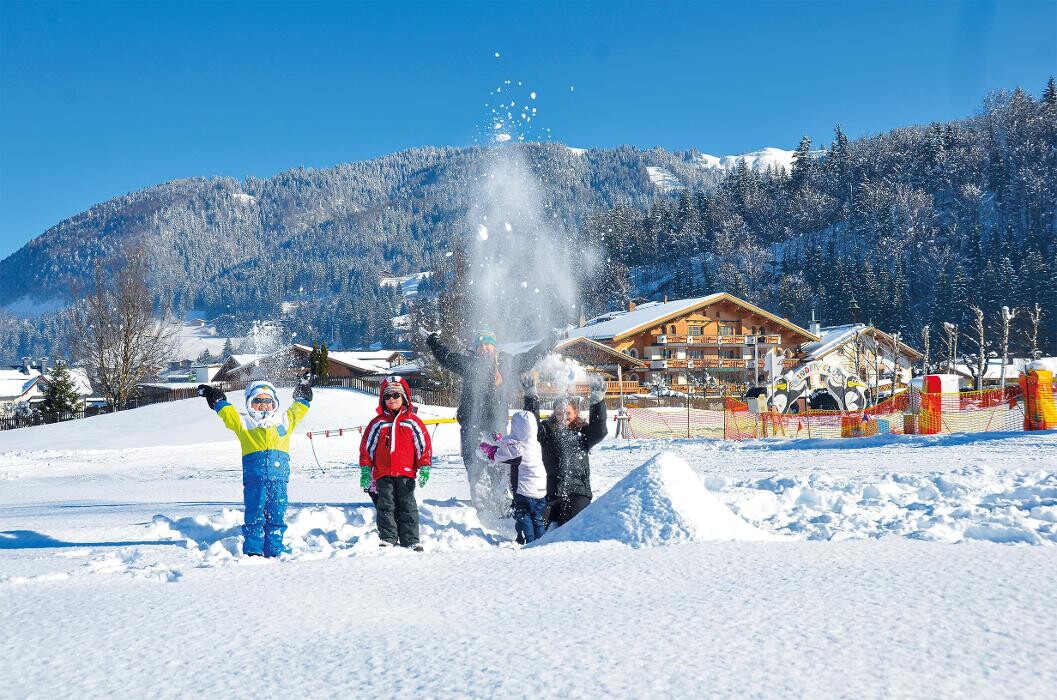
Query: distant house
pixel 28 384
pixel 18 384
pixel 685 340
pixel 865 351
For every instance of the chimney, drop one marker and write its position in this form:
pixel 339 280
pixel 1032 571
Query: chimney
pixel 43 365
pixel 631 305
pixel 665 298
pixel 816 327
pixel 27 364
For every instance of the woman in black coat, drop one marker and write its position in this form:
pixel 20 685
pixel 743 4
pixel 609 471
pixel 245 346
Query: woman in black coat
pixel 486 373
pixel 566 440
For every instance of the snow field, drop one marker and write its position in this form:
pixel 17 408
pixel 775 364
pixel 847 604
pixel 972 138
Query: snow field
pixel 803 568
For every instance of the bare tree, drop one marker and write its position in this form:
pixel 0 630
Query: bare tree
pixel 1007 318
pixel 978 337
pixel 1035 316
pixel 925 332
pixel 952 343
pixel 115 332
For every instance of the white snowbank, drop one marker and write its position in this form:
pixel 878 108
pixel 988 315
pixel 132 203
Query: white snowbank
pixel 662 502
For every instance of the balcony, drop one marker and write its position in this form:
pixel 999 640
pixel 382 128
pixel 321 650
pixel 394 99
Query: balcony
pixel 722 339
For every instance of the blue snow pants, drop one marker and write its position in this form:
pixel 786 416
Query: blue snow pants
pixel 528 517
pixel 265 512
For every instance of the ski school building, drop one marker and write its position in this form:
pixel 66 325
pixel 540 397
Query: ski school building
pixel 716 340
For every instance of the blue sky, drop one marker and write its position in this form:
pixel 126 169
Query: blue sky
pixel 100 99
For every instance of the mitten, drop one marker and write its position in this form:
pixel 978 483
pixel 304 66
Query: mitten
pixel 212 395
pixel 598 389
pixel 303 390
pixel 487 450
pixel 423 476
pixel 365 478
pixel 528 384
pixel 426 333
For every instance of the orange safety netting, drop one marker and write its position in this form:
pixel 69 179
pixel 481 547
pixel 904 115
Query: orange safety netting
pixel 989 410
pixel 909 412
pixel 674 422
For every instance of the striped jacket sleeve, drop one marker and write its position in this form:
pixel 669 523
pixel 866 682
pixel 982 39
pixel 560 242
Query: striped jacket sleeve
pixel 369 442
pixel 423 444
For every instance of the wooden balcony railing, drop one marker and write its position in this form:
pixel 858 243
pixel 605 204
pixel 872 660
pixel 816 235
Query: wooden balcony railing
pixel 674 339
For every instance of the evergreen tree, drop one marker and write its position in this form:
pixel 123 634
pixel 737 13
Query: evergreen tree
pixel 323 371
pixel 803 164
pixel 1049 95
pixel 60 392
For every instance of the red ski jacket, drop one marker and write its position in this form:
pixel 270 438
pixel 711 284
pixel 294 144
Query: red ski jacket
pixel 395 444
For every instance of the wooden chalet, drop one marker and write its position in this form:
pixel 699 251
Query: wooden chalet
pixel 716 339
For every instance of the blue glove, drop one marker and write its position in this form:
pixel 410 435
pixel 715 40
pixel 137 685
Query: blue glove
pixel 423 476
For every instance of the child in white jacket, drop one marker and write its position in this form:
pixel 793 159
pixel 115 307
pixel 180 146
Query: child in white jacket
pixel 528 478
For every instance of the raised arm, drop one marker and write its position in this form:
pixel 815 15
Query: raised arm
pixel 453 361
pixel 526 360
pixel 596 428
pixel 532 405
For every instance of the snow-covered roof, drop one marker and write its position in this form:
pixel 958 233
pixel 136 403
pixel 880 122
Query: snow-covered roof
pixel 833 337
pixel 79 377
pixel 15 382
pixel 355 361
pixel 615 325
pixel 405 369
pixel 370 355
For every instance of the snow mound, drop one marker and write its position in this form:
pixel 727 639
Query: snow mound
pixel 661 502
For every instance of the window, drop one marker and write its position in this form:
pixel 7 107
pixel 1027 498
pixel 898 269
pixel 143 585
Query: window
pixel 671 330
pixel 727 328
pixel 696 330
pixel 634 353
pixel 633 377
pixel 728 354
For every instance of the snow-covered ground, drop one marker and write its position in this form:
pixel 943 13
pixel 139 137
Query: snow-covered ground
pixel 889 566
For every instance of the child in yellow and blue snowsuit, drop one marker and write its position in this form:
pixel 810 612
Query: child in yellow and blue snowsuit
pixel 265 439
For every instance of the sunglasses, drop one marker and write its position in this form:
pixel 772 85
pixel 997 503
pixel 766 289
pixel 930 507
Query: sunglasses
pixel 388 396
pixel 262 400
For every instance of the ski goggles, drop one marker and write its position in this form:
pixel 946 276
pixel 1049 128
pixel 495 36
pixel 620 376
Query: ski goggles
pixel 262 401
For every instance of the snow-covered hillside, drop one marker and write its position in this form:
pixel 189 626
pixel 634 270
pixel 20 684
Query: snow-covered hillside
pixel 773 569
pixel 756 160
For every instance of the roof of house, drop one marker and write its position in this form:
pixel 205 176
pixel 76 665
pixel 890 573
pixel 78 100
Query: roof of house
pixel 15 382
pixel 619 325
pixel 595 346
pixel 833 337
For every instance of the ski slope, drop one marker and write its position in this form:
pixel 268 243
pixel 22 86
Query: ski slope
pixel 890 566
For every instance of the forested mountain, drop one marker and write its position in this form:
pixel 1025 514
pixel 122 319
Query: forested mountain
pixel 913 225
pixel 907 228
pixel 314 239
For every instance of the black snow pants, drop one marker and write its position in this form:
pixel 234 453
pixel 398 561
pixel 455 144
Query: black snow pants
pixel 396 511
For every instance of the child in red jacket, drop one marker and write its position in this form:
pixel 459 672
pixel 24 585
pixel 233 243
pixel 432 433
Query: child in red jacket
pixel 395 449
